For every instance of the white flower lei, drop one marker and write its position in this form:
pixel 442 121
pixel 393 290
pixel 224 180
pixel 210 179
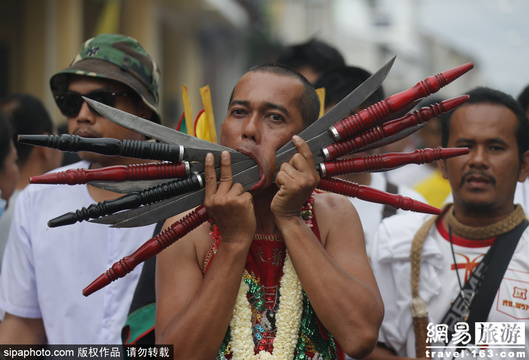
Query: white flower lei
pixel 287 320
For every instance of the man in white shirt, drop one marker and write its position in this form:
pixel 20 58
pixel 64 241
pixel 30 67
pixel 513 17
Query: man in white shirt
pixel 44 270
pixel 448 262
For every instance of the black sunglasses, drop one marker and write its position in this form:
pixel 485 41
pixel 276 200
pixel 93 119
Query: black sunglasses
pixel 70 102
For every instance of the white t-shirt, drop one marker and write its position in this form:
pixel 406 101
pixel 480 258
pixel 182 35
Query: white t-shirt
pixel 370 213
pixel 5 221
pixel 44 270
pixel 438 283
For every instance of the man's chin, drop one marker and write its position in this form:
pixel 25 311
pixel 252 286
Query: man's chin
pixel 86 156
pixel 479 206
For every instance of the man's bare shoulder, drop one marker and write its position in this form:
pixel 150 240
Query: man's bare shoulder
pixel 335 214
pixel 326 201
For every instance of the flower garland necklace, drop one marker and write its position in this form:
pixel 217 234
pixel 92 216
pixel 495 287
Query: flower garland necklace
pixel 287 320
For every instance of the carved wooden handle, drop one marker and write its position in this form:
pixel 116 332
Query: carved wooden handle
pixel 130 201
pixel 366 193
pixel 149 249
pixel 387 161
pixel 391 128
pixel 382 110
pixel 108 146
pixel 114 173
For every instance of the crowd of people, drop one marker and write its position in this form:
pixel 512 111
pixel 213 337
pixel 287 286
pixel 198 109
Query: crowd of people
pixel 285 270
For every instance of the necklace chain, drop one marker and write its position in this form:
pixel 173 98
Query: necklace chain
pixel 466 302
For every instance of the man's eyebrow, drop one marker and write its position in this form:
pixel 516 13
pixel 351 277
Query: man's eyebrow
pixel 489 141
pixel 239 102
pixel 497 141
pixel 267 105
pixel 463 140
pixel 277 107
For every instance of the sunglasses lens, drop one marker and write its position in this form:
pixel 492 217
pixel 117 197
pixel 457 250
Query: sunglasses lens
pixel 70 103
pixel 106 98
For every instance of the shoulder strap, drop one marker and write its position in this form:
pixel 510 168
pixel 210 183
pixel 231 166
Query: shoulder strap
pixel 494 272
pixel 418 308
pixel 490 270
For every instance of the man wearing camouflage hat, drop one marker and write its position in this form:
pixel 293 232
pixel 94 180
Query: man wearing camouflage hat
pixel 45 269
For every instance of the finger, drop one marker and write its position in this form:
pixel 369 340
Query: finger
pixel 282 179
pixel 303 148
pixel 301 164
pixel 297 174
pixel 248 198
pixel 209 175
pixel 237 189
pixel 289 169
pixel 305 163
pixel 226 178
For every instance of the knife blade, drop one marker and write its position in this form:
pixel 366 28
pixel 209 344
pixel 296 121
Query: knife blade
pixel 152 129
pixel 344 108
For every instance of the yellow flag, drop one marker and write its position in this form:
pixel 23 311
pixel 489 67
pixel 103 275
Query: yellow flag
pixel 205 122
pixel 201 126
pixel 188 116
pixel 321 95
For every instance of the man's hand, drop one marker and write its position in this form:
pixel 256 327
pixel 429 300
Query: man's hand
pixel 228 205
pixel 296 180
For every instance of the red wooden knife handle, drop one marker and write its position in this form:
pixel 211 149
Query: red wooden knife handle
pixel 351 145
pixel 387 161
pixel 382 110
pixel 150 248
pixel 114 173
pixel 366 193
pixel 391 128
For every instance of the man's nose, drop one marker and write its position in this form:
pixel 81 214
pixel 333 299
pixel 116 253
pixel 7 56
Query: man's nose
pixel 85 114
pixel 251 128
pixel 478 157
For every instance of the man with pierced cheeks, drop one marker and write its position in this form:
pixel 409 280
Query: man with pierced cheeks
pixel 257 236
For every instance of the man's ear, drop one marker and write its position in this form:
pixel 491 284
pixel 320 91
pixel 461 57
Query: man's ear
pixel 44 153
pixel 524 169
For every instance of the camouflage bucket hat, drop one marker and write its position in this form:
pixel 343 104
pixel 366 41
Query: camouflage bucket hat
pixel 116 57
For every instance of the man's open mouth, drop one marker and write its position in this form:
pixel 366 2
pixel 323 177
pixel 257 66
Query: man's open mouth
pixel 262 176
